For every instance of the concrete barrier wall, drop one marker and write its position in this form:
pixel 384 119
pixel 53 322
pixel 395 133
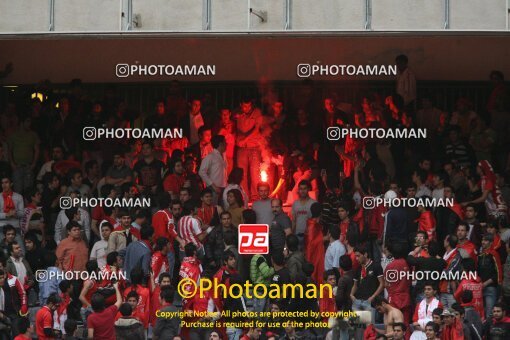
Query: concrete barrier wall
pixel 233 15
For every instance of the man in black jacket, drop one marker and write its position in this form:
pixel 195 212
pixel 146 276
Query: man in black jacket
pixel 489 269
pixel 166 327
pixel 343 300
pixel 497 327
pixel 215 241
pixel 395 220
pixel 434 263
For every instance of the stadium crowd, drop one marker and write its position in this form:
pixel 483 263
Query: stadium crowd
pixel 270 165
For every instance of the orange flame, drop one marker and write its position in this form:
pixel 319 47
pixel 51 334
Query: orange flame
pixel 263 175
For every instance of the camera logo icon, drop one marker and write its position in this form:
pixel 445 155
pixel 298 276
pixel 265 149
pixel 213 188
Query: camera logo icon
pixel 89 133
pixel 333 133
pixel 368 202
pixel 304 70
pixel 391 275
pixel 41 275
pixel 66 202
pixel 122 70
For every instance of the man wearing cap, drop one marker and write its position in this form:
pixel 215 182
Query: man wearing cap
pixel 491 273
pixel 453 328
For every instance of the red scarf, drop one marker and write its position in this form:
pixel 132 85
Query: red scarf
pixel 457 209
pixel 8 202
pixel 206 213
pixel 364 269
pixel 496 244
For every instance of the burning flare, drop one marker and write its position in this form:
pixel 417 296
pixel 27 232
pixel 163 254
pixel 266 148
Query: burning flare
pixel 263 175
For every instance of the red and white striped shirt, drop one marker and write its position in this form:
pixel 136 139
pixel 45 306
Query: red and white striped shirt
pixel 189 229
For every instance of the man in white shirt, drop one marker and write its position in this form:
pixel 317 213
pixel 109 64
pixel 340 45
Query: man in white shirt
pixel 98 251
pixel 195 121
pixel 335 249
pixel 438 181
pixel 57 154
pixel 419 178
pixel 406 81
pixel 213 169
pixel 79 215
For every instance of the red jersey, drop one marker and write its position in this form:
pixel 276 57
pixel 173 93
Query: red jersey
pixel 103 323
pixel 22 337
pixel 354 260
pixel 154 305
pixel 427 223
pixel 314 244
pixel 62 309
pixel 191 269
pixel 189 229
pixel 470 248
pixel 223 276
pixel 200 304
pixel 164 226
pixel 91 291
pixel 373 219
pixel 344 226
pixel 476 287
pixel 173 183
pixel 43 319
pixel 327 304
pixel 497 244
pixel 206 213
pixel 454 331
pixel 494 202
pixel 98 213
pixel 159 264
pixel 143 302
pixel 399 294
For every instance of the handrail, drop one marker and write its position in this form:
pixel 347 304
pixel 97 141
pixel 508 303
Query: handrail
pixel 207 15
pixel 446 14
pixel 52 15
pixel 129 25
pixel 288 4
pixel 368 14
